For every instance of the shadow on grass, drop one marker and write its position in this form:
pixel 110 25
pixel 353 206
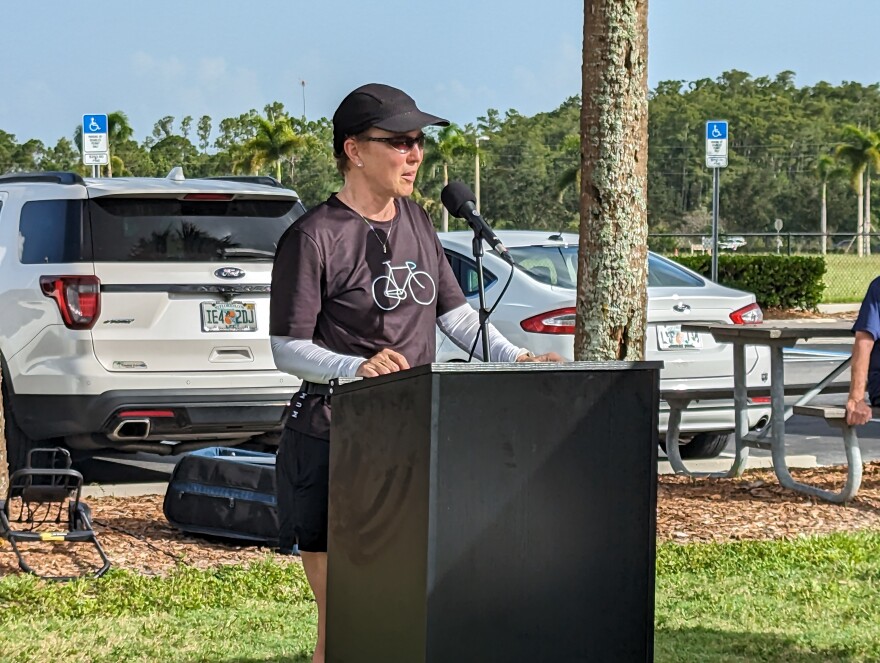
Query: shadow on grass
pixel 709 646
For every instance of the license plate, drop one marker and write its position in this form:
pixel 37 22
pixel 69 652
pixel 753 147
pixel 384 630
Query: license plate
pixel 229 316
pixel 670 337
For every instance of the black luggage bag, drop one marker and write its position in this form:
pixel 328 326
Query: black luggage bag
pixel 228 493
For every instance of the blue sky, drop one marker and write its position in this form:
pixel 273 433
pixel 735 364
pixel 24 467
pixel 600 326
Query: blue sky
pixel 457 58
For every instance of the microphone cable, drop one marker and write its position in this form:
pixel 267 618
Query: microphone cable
pixel 482 328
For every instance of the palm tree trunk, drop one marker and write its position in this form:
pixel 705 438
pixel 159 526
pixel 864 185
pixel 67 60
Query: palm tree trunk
pixel 278 170
pixel 684 163
pixel 823 219
pixel 612 262
pixel 444 224
pixel 867 220
pixel 860 220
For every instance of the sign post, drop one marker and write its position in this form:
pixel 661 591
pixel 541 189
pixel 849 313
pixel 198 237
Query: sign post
pixel 716 158
pixel 95 144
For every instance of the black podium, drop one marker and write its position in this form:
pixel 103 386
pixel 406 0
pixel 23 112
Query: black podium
pixel 494 513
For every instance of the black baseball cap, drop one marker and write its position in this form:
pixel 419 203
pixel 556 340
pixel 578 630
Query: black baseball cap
pixel 380 106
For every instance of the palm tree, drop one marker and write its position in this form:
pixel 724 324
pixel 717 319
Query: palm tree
pixel 274 141
pixel 859 150
pixel 826 168
pixel 446 144
pixel 571 176
pixel 612 265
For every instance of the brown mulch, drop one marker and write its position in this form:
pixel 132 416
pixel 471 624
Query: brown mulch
pixel 801 314
pixel 137 537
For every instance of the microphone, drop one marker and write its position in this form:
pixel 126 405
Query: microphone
pixel 459 200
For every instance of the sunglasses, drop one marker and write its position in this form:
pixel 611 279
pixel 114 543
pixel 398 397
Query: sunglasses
pixel 402 144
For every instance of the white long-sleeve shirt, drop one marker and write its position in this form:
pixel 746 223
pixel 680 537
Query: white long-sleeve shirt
pixel 309 361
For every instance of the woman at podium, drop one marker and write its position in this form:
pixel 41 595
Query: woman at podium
pixel 359 284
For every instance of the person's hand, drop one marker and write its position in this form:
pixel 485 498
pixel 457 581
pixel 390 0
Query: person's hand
pixel 549 356
pixel 382 363
pixel 858 412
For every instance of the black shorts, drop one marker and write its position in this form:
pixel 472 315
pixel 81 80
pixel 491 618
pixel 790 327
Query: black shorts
pixel 302 476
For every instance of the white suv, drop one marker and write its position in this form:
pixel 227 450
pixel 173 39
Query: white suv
pixel 136 311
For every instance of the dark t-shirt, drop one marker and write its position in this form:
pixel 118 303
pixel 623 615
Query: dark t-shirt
pixel 869 321
pixel 333 282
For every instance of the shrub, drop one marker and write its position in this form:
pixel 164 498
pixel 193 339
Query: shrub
pixel 777 281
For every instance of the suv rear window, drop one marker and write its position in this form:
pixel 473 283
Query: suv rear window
pixel 52 231
pixel 168 230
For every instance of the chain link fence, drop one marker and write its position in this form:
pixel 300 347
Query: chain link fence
pixel 848 273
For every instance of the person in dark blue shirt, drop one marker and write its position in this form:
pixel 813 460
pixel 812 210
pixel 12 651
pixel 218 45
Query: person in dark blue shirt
pixel 865 370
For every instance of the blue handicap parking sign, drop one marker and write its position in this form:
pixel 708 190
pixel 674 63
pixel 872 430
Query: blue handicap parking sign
pixel 94 124
pixel 716 130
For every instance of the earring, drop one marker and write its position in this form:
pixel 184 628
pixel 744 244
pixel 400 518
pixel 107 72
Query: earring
pixel 360 164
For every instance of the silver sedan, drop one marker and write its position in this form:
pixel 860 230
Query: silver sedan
pixel 538 312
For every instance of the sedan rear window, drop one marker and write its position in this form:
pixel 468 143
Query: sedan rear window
pixel 664 273
pixel 553 265
pixel 168 230
pixel 557 266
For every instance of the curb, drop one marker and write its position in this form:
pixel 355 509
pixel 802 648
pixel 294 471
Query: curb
pixel 723 463
pixel 839 308
pixel 124 489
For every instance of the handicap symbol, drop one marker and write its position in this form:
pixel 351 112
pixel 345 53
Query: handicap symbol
pixel 716 132
pixel 94 127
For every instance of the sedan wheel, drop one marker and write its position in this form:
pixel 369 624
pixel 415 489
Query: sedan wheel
pixel 705 445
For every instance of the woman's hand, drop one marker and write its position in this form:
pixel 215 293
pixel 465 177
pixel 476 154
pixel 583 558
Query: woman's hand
pixel 382 363
pixel 550 356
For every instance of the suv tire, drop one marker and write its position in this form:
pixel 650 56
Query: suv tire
pixel 18 445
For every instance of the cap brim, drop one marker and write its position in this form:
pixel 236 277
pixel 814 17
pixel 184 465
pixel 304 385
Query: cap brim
pixel 411 121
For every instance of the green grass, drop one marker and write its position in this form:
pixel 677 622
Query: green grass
pixel 264 612
pixel 813 599
pixel 847 276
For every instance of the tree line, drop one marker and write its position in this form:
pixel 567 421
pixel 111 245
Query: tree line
pixel 806 155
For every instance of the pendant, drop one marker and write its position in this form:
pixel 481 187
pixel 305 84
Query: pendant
pixel 384 249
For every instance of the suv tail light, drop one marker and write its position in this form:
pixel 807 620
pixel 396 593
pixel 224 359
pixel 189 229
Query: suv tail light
pixel 78 298
pixel 748 315
pixel 560 321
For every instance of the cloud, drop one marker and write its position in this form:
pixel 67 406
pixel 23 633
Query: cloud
pixel 145 64
pixel 206 86
pixel 557 76
pixel 211 69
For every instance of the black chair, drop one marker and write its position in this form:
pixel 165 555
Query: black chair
pixel 43 504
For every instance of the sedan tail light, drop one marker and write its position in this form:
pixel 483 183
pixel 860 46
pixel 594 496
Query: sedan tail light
pixel 560 321
pixel 748 315
pixel 78 298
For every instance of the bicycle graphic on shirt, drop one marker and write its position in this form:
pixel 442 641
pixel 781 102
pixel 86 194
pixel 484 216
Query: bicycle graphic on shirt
pixel 418 284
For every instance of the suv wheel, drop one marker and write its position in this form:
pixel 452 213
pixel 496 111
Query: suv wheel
pixel 18 445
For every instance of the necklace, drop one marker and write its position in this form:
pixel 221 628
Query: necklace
pixel 387 236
